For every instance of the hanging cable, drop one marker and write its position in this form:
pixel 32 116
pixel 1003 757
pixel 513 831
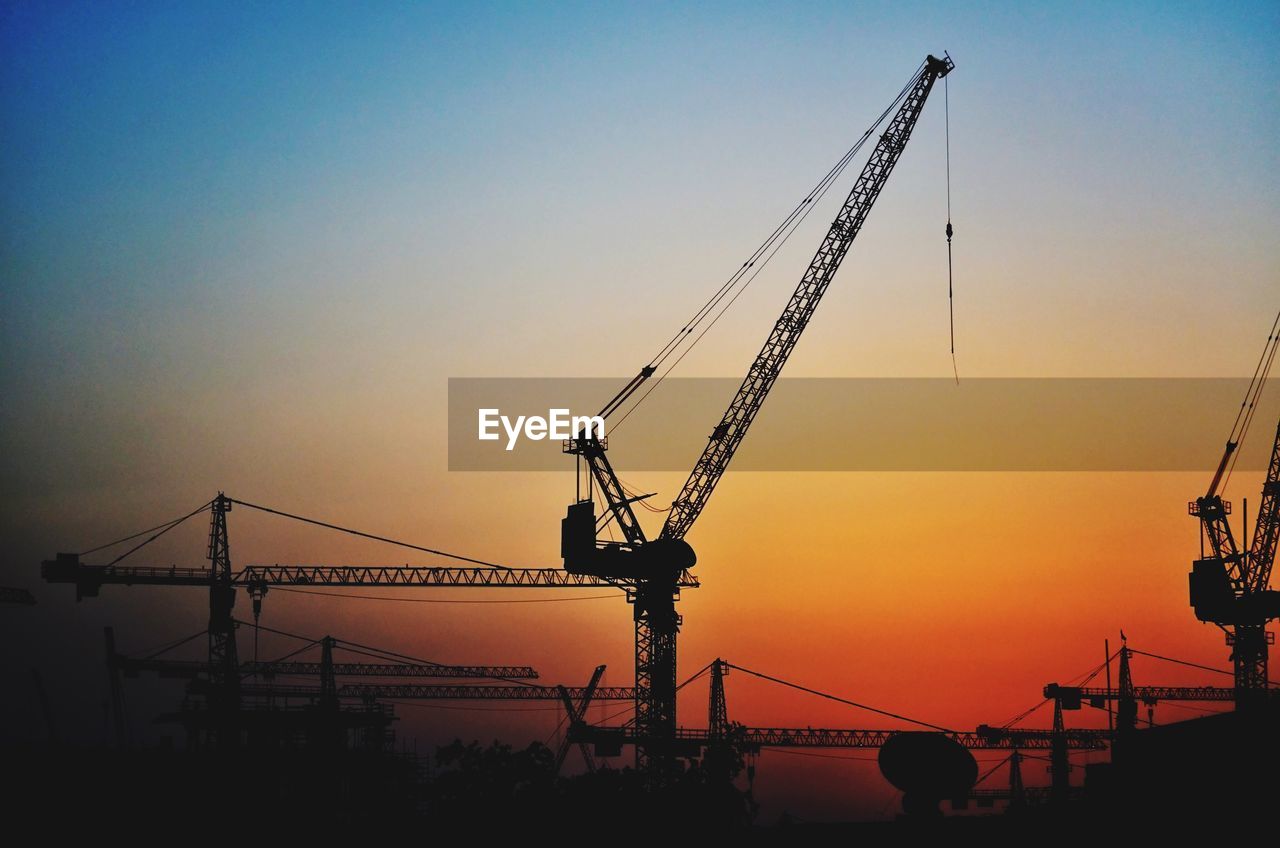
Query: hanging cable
pixel 1189 664
pixel 1256 370
pixel 1025 713
pixel 951 302
pixel 284 633
pixel 748 271
pixel 694 676
pixel 371 536
pixel 165 526
pixel 1205 710
pixel 1078 680
pixel 556 732
pixel 992 770
pixel 614 714
pixel 800 688
pixel 155 652
pixel 641 500
pixel 1249 406
pixel 155 536
pixel 161 528
pixel 782 230
pixel 1181 662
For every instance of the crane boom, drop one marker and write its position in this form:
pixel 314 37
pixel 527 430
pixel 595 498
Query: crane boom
pixel 1212 511
pixel 1141 693
pixel 1262 553
pixel 731 430
pixel 192 669
pixel 89 579
pixel 433 692
pixel 754 738
pixel 408 691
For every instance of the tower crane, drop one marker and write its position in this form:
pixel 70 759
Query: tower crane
pixel 1127 696
pixel 1231 585
pixel 722 734
pixel 329 693
pixel 651 570
pixel 222 580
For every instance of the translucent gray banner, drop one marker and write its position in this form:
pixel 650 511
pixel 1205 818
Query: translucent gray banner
pixel 1052 424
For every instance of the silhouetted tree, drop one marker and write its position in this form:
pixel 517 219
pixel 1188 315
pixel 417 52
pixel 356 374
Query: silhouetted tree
pixel 472 782
pixel 498 787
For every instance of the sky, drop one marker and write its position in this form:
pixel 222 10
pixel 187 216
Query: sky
pixel 245 248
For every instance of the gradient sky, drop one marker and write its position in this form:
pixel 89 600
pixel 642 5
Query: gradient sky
pixel 244 249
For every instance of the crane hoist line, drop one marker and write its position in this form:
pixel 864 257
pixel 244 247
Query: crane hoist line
pixel 652 570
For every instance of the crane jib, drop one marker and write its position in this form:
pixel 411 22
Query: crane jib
pixel 728 434
pixel 1262 553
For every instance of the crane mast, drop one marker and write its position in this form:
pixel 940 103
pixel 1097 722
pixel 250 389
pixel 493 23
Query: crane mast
pixel 653 570
pixel 224 662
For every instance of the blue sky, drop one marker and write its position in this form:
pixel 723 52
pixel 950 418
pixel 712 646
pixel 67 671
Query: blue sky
pixel 333 208
pixel 336 207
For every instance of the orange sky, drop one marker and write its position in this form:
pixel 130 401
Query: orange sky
pixel 948 597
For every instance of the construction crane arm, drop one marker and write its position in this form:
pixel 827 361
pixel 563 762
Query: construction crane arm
pixel 408 575
pixel 764 371
pixel 592 450
pixel 190 669
pixel 1212 511
pixel 1140 693
pixel 89 579
pixel 822 737
pixel 420 692
pixel 1238 572
pixel 408 691
pixel 1262 553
